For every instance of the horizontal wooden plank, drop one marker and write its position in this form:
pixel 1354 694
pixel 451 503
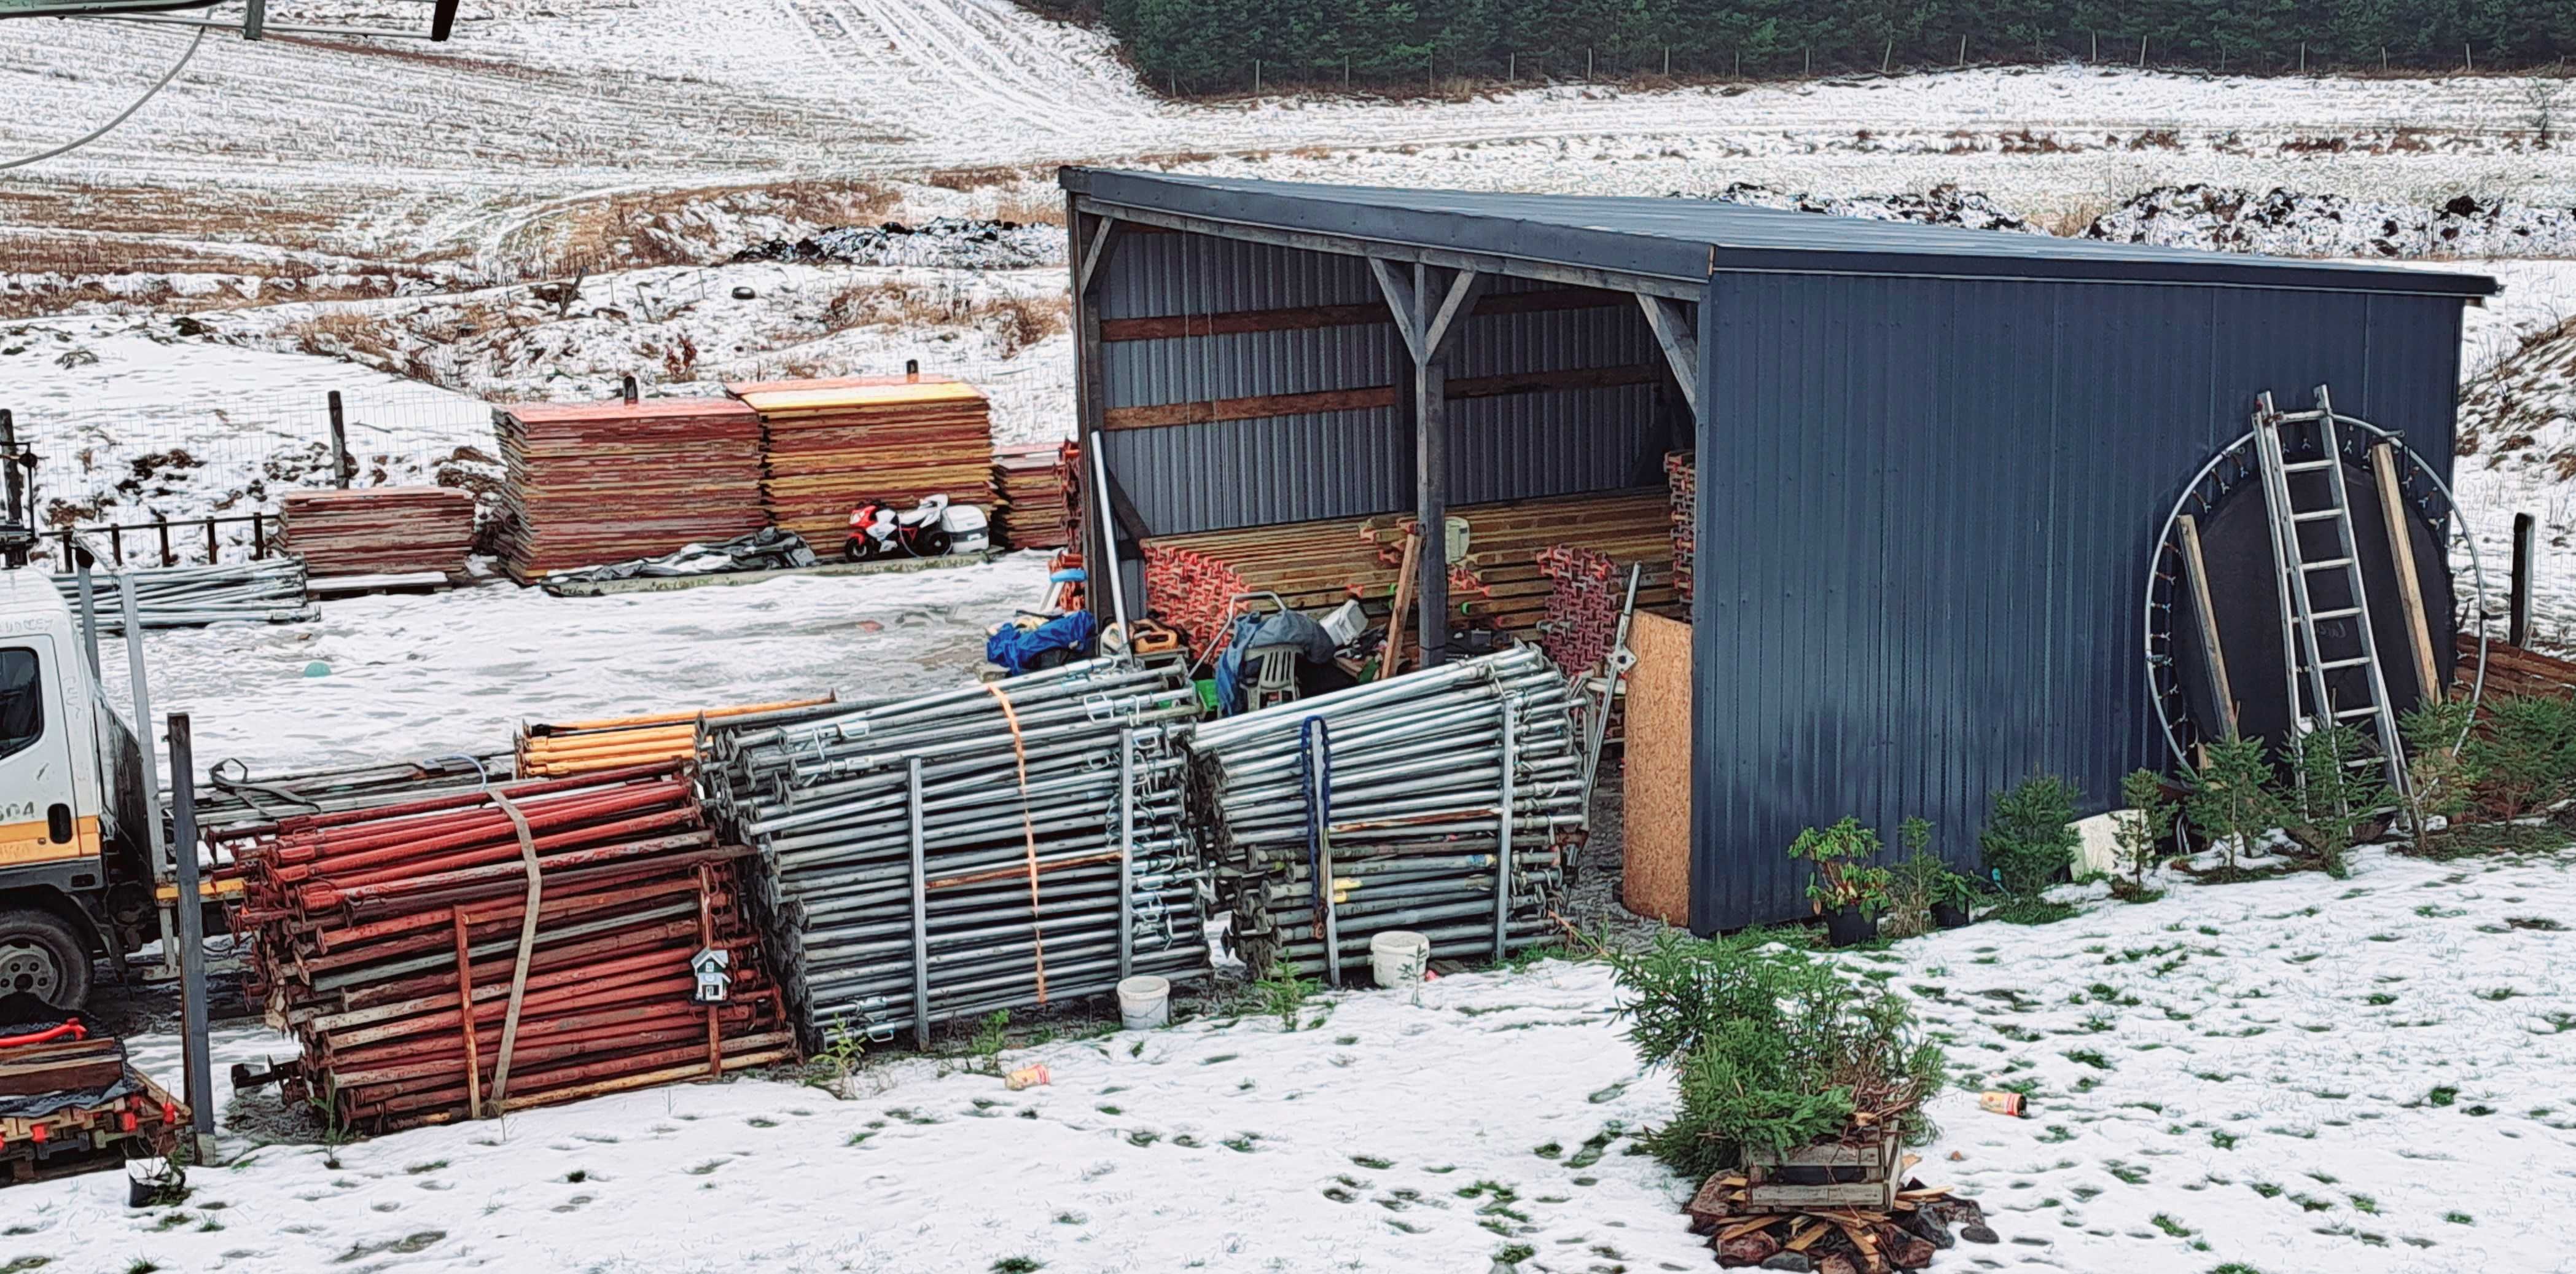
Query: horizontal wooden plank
pixel 1369 397
pixel 1308 317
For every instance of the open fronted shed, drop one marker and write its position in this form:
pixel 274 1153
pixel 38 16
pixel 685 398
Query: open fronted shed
pixel 1932 463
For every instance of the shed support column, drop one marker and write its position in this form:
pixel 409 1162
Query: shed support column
pixel 1430 307
pixel 1093 238
pixel 1679 336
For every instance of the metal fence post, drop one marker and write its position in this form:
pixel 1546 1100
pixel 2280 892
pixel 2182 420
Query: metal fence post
pixel 343 465
pixel 192 940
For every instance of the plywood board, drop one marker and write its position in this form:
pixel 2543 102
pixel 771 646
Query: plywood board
pixel 1656 837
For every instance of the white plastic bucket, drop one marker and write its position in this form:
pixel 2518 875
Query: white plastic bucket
pixel 1145 1003
pixel 1398 956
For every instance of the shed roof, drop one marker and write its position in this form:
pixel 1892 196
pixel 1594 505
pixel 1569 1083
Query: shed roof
pixel 1694 238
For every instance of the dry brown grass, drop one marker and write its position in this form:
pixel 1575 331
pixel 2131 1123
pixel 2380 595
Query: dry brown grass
pixel 2073 220
pixel 1014 322
pixel 633 229
pixel 1043 209
pixel 971 178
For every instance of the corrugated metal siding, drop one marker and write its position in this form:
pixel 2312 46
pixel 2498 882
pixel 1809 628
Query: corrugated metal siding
pixel 1294 468
pixel 1926 508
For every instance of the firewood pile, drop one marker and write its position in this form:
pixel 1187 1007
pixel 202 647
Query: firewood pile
pixel 1034 493
pixel 1681 479
pixel 598 482
pixel 377 530
pixel 826 445
pixel 1915 1224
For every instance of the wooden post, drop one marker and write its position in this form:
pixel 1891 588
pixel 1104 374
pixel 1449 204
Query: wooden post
pixel 1668 61
pixel 1256 77
pixel 1887 57
pixel 2195 573
pixel 342 465
pixel 1431 482
pixel 2518 614
pixel 1512 69
pixel 1090 401
pixel 2401 554
pixel 2142 53
pixel 1963 53
pixel 1391 656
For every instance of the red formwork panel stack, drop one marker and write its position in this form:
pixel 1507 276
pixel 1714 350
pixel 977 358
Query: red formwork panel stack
pixel 377 530
pixel 826 445
pixel 592 483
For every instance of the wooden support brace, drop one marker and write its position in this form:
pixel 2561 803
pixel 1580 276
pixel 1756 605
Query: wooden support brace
pixel 2410 589
pixel 1679 338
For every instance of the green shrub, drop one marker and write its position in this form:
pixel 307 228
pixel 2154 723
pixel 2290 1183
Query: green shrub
pixel 1773 1048
pixel 2030 838
pixel 2331 798
pixel 1919 883
pixel 2526 753
pixel 2143 832
pixel 2231 799
pixel 2440 778
pixel 1843 877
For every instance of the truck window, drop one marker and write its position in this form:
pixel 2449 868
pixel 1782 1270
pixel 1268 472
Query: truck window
pixel 22 701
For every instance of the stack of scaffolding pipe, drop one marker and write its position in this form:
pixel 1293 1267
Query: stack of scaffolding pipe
pixel 396 944
pixel 231 796
pixel 1421 785
pixel 267 591
pixel 943 856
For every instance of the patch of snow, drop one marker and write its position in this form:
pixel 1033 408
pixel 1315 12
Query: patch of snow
pixel 2301 224
pixel 1943 205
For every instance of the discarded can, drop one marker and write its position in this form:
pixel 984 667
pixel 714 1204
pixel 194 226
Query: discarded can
pixel 1995 1101
pixel 1027 1077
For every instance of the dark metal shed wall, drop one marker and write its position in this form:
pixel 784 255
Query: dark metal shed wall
pixel 1336 464
pixel 1925 512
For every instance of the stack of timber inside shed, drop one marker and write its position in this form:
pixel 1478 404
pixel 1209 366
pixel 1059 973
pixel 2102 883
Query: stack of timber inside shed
pixel 1311 566
pixel 592 483
pixel 1032 486
pixel 377 530
pixel 372 930
pixel 1500 584
pixel 826 445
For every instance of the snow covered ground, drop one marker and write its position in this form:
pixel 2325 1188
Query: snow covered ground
pixel 2301 1076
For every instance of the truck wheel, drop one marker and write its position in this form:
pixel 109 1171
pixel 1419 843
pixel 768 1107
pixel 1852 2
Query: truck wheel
pixel 43 956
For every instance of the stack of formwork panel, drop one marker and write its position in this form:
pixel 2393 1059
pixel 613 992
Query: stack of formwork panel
pixel 1681 479
pixel 1312 567
pixel 395 944
pixel 377 530
pixel 1402 797
pixel 1586 589
pixel 827 445
pixel 1500 584
pixel 599 482
pixel 989 847
pixel 71 1103
pixel 1029 496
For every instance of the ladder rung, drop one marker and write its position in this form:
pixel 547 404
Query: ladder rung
pixel 2351 713
pixel 2332 664
pixel 2332 563
pixel 2316 515
pixel 2361 763
pixel 2307 466
pixel 2343 613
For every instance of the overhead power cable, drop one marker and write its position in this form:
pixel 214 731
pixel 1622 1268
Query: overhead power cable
pixel 121 116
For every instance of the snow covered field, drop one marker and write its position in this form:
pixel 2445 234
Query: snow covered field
pixel 2301 1076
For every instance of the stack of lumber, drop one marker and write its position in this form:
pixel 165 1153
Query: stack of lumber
pixel 586 747
pixel 1681 477
pixel 390 942
pixel 588 483
pixel 827 445
pixel 1586 589
pixel 1314 567
pixel 1500 584
pixel 1034 492
pixel 69 1103
pixel 378 530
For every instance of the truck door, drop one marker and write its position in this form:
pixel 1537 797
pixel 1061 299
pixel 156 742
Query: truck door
pixel 39 818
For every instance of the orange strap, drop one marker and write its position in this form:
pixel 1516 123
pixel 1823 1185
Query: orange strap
pixel 1028 833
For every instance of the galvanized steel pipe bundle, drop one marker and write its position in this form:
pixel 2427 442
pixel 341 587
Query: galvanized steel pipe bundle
pixel 267 591
pixel 489 951
pixel 1406 796
pixel 990 847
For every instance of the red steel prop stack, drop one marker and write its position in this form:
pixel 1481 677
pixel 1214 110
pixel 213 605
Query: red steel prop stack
pixel 598 482
pixel 1313 566
pixel 369 928
pixel 1030 481
pixel 377 530
pixel 828 444
pixel 1681 477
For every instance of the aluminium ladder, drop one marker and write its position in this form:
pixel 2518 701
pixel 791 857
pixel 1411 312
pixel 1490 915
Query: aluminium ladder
pixel 2306 631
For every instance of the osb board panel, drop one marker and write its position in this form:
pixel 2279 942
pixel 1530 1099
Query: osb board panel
pixel 1655 874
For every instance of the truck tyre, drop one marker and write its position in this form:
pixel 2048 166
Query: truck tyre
pixel 42 955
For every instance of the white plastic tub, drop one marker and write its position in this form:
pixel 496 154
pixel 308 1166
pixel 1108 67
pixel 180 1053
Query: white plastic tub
pixel 1397 957
pixel 1145 1003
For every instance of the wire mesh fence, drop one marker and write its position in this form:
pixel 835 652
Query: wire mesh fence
pixel 199 480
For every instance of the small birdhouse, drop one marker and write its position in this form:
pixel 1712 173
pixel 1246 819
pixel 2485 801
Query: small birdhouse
pixel 714 967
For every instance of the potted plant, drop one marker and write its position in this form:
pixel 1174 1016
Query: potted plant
pixel 1846 889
